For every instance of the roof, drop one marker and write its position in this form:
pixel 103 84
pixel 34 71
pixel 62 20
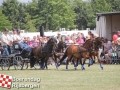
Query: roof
pixel 108 13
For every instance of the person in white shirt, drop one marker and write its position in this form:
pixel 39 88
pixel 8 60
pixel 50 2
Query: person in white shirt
pixel 6 42
pixel 14 36
pixel 19 36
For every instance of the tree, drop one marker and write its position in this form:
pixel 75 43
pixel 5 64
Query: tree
pixel 81 17
pixel 10 9
pixel 4 22
pixel 16 13
pixel 94 7
pixel 53 13
pixel 100 6
pixel 115 4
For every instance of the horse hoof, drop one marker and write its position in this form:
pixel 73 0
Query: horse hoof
pixel 88 65
pixel 101 68
pixel 67 69
pixel 75 68
pixel 57 68
pixel 83 68
pixel 58 65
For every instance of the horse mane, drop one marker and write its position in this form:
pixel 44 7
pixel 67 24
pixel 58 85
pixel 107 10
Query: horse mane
pixel 98 43
pixel 48 47
pixel 87 44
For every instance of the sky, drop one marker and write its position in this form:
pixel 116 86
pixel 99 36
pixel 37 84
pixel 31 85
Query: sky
pixel 1 1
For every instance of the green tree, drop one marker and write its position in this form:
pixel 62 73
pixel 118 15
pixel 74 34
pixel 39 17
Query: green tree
pixel 53 13
pixel 115 5
pixel 100 6
pixel 81 17
pixel 4 22
pixel 17 14
pixel 10 9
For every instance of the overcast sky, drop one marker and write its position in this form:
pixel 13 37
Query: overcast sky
pixel 18 0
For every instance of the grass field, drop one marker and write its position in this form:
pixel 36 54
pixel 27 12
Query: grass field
pixel 93 78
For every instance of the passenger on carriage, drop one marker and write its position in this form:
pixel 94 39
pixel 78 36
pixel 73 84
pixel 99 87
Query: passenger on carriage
pixel 16 38
pixel 1 48
pixel 24 46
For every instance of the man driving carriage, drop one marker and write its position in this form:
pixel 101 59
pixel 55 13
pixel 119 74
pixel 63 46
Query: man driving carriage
pixel 6 42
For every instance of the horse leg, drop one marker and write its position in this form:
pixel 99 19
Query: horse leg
pixel 32 62
pixel 67 62
pixel 46 59
pixel 100 64
pixel 61 60
pixel 55 60
pixel 42 63
pixel 75 64
pixel 90 62
pixel 73 61
pixel 82 63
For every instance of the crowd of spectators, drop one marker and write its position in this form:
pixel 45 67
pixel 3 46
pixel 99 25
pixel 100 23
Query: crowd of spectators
pixel 10 42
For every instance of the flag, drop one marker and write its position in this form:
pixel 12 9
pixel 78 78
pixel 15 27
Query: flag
pixel 5 81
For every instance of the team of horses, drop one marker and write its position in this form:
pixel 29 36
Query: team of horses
pixel 74 53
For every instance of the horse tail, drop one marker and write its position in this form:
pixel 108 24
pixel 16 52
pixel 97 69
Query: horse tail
pixel 32 59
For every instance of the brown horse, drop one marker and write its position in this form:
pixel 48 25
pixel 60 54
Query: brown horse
pixel 41 54
pixel 87 51
pixel 76 52
pixel 97 45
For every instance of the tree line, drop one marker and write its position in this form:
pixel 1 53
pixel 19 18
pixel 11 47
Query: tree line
pixel 55 14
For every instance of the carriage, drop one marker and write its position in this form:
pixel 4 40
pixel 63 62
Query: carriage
pixel 20 58
pixel 16 59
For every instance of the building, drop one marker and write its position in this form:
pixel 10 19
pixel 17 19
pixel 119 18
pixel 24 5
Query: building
pixel 107 23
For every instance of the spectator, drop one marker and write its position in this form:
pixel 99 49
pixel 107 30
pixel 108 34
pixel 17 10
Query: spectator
pixel 115 37
pixel 80 40
pixel 83 37
pixel 113 52
pixel 118 47
pixel 90 35
pixel 68 40
pixel 35 42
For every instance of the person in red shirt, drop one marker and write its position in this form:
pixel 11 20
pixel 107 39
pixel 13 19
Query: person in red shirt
pixel 115 37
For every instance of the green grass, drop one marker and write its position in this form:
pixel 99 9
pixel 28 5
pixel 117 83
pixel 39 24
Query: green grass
pixel 93 78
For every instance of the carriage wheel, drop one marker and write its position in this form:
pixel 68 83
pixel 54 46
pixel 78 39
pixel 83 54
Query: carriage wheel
pixel 5 64
pixel 18 62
